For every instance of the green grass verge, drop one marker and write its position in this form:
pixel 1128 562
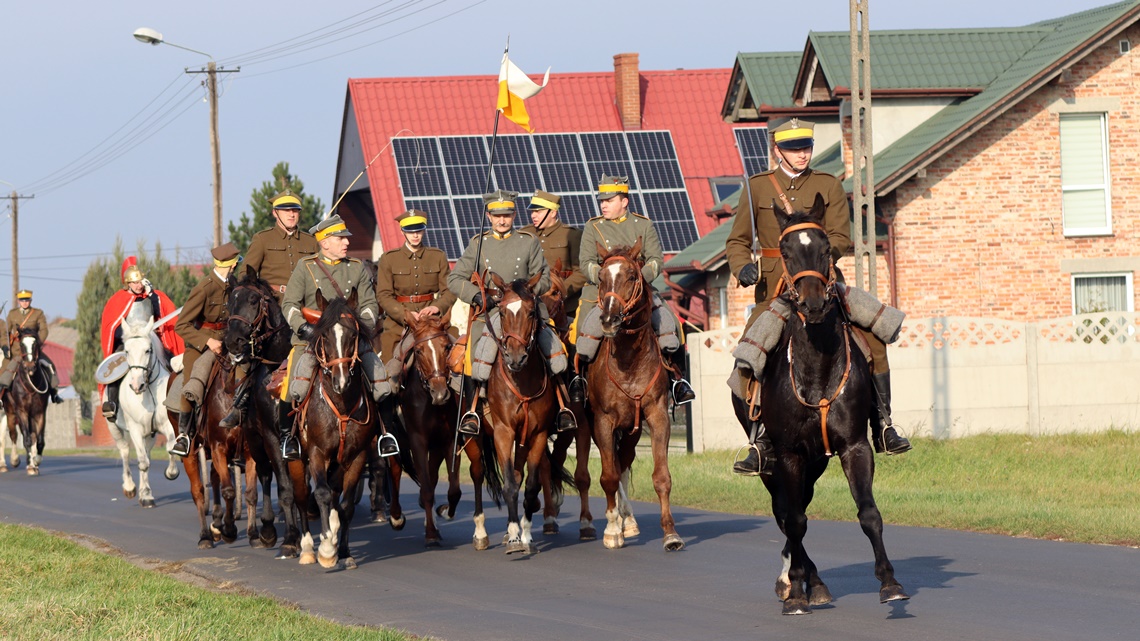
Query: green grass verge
pixel 1080 487
pixel 54 588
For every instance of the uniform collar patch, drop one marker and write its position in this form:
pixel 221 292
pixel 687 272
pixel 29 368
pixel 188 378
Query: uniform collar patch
pixel 329 261
pixel 496 235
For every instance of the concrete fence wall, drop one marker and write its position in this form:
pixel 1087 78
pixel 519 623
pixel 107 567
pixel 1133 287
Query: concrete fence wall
pixel 959 376
pixel 60 427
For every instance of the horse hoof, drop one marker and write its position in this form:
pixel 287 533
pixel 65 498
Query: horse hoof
pixel 481 542
pixel 205 544
pixel 254 542
pixel 432 542
pixel 350 563
pixel 171 476
pixel 3 469
pixel 516 546
pixel 147 503
pixel 819 595
pixel 673 543
pixel 550 528
pixel 308 558
pixel 892 593
pixel 783 590
pixel 613 541
pixel 397 523
pixel 268 538
pixel 379 517
pixel 33 471
pixel 130 494
pixel 327 562
pixel 631 531
pixel 587 534
pixel 441 512
pixel 288 552
pixel 796 606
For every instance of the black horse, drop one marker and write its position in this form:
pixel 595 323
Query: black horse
pixel 257 335
pixel 817 401
pixel 26 401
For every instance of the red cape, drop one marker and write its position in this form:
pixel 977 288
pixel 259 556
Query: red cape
pixel 116 310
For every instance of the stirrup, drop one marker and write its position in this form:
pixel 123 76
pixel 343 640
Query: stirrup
pixel 469 424
pixel 893 444
pixel 181 446
pixel 387 445
pixel 565 421
pixel 686 393
pixel 577 389
pixel 290 453
pixel 109 410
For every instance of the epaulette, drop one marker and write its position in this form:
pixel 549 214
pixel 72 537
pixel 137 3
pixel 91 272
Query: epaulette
pixel 350 259
pixel 434 249
pixel 526 233
pixel 633 213
pixel 595 218
pixel 819 173
pixel 763 173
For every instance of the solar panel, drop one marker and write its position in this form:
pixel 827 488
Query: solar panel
pixel 465 160
pixel 577 209
pixel 515 166
pixel 753 145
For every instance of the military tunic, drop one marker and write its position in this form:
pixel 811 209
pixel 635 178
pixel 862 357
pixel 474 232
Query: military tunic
pixel 563 243
pixel 513 256
pixel 408 281
pixel 203 317
pixel 31 318
pixel 622 232
pixel 274 254
pixel 349 273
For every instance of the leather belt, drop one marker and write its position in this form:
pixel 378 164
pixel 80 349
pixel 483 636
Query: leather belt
pixel 214 326
pixel 418 298
pixel 770 252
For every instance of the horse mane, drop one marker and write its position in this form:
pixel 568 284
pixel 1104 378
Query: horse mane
pixel 519 287
pixel 331 316
pixel 254 280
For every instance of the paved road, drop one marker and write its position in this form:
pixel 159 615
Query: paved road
pixel 962 586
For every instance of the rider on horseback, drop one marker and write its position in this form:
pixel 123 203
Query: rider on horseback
pixel 27 317
pixel 618 227
pixel 151 303
pixel 335 275
pixel 513 255
pixel 796 182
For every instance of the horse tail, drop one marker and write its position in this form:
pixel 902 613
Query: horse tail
pixel 491 473
pixel 560 477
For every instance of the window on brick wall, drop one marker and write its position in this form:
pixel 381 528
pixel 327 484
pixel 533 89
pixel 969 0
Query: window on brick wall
pixel 1084 175
pixel 1102 293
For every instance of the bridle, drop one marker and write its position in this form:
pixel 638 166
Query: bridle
pixel 257 339
pixel 322 355
pixel 531 329
pixel 790 281
pixel 626 306
pixel 152 358
pixel 439 366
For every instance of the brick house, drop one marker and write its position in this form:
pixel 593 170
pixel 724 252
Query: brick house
pixel 1006 163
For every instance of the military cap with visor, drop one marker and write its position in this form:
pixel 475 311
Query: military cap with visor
pixel 225 255
pixel 412 220
pixel 611 186
pixel 24 294
pixel 331 226
pixel 544 200
pixel 501 202
pixel 794 134
pixel 286 200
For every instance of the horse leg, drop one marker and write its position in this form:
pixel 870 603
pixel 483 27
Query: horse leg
pixel 535 481
pixel 292 501
pixel 859 466
pixel 267 535
pixel 251 487
pixel 626 453
pixel 791 469
pixel 395 511
pixel 480 540
pixel 198 493
pixel 129 488
pixel 224 516
pixel 142 445
pixel 428 461
pixel 551 500
pixel 613 537
pixel 659 427
pixel 586 531
pixel 330 520
pixel 349 482
pixel 504 452
pixel 454 492
pixel 377 487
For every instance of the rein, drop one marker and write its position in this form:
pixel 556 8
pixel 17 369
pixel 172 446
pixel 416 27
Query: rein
pixel 637 297
pixel 824 404
pixel 344 419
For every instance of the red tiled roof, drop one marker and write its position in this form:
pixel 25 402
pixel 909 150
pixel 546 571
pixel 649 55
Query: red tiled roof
pixel 64 360
pixel 685 102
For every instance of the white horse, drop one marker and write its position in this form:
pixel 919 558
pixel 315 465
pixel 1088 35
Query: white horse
pixel 141 411
pixel 6 443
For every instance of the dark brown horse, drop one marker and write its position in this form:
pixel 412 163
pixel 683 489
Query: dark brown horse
pixel 555 301
pixel 337 422
pixel 27 399
pixel 628 384
pixel 817 403
pixel 522 404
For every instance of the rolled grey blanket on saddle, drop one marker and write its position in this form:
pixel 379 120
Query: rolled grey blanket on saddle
pixel 752 350
pixel 486 350
pixel 376 375
pixel 301 378
pixel 195 388
pixel 665 324
pixel 173 400
pixel 589 335
pixel 868 312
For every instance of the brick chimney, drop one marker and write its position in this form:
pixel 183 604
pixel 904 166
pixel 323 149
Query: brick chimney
pixel 627 85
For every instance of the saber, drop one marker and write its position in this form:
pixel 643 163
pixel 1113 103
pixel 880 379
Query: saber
pixel 166 319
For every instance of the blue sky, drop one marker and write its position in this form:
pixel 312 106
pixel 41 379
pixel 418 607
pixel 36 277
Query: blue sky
pixel 78 90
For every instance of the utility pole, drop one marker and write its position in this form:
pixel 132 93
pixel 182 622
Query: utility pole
pixel 862 150
pixel 15 198
pixel 212 72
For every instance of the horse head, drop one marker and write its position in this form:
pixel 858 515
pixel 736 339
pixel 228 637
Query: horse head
pixel 253 311
pixel 518 312
pixel 429 346
pixel 336 340
pixel 139 344
pixel 621 287
pixel 806 254
pixel 30 347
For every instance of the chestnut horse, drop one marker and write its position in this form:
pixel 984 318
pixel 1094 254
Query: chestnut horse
pixel 817 401
pixel 628 384
pixel 26 401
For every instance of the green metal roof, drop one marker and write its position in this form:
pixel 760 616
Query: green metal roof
pixel 829 161
pixel 770 76
pixel 704 251
pixel 927 59
pixel 1064 35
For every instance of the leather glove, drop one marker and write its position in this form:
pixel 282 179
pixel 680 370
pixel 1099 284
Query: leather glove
pixel 7 351
pixel 748 275
pixel 305 331
pixel 477 300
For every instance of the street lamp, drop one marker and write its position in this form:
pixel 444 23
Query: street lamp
pixel 149 36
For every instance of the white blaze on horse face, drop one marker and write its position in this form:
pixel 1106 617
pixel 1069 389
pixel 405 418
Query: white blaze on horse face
pixel 436 358
pixel 29 343
pixel 514 306
pixel 805 239
pixel 338 333
pixel 614 269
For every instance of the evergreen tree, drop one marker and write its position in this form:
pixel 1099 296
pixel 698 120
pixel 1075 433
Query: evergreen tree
pixel 260 200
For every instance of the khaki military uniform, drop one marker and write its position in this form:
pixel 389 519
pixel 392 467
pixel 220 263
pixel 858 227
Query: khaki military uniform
pixel 408 281
pixel 350 275
pixel 513 256
pixel 275 253
pixel 203 317
pixel 31 318
pixel 563 243
pixel 622 232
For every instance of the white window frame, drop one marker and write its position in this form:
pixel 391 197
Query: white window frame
pixel 1106 229
pixel 1129 293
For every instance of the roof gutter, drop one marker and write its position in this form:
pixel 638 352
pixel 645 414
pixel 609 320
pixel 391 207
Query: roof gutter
pixel 933 92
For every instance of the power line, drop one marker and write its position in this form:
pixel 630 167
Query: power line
pixel 24 277
pixel 99 254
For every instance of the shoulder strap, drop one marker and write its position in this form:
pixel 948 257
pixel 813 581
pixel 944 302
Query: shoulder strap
pixel 336 285
pixel 783 198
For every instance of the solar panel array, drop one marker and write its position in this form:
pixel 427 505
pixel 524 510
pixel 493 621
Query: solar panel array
pixel 753 145
pixel 445 176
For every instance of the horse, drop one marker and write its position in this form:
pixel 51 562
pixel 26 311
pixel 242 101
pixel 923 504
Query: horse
pixel 7 445
pixel 555 301
pixel 257 335
pixel 522 403
pixel 628 384
pixel 141 414
pixel 337 423
pixel 817 401
pixel 26 401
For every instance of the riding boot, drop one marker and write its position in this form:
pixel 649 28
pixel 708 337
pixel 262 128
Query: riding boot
pixel 53 394
pixel 181 445
pixel 387 445
pixel 470 423
pixel 565 420
pixel 577 390
pixel 290 446
pixel 111 405
pixel 683 392
pixel 761 459
pixel 883 433
pixel 241 401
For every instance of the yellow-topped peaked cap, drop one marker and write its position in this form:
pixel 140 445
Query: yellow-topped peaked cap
pixel 501 202
pixel 412 220
pixel 331 226
pixel 24 294
pixel 286 200
pixel 794 134
pixel 225 255
pixel 611 186
pixel 544 200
